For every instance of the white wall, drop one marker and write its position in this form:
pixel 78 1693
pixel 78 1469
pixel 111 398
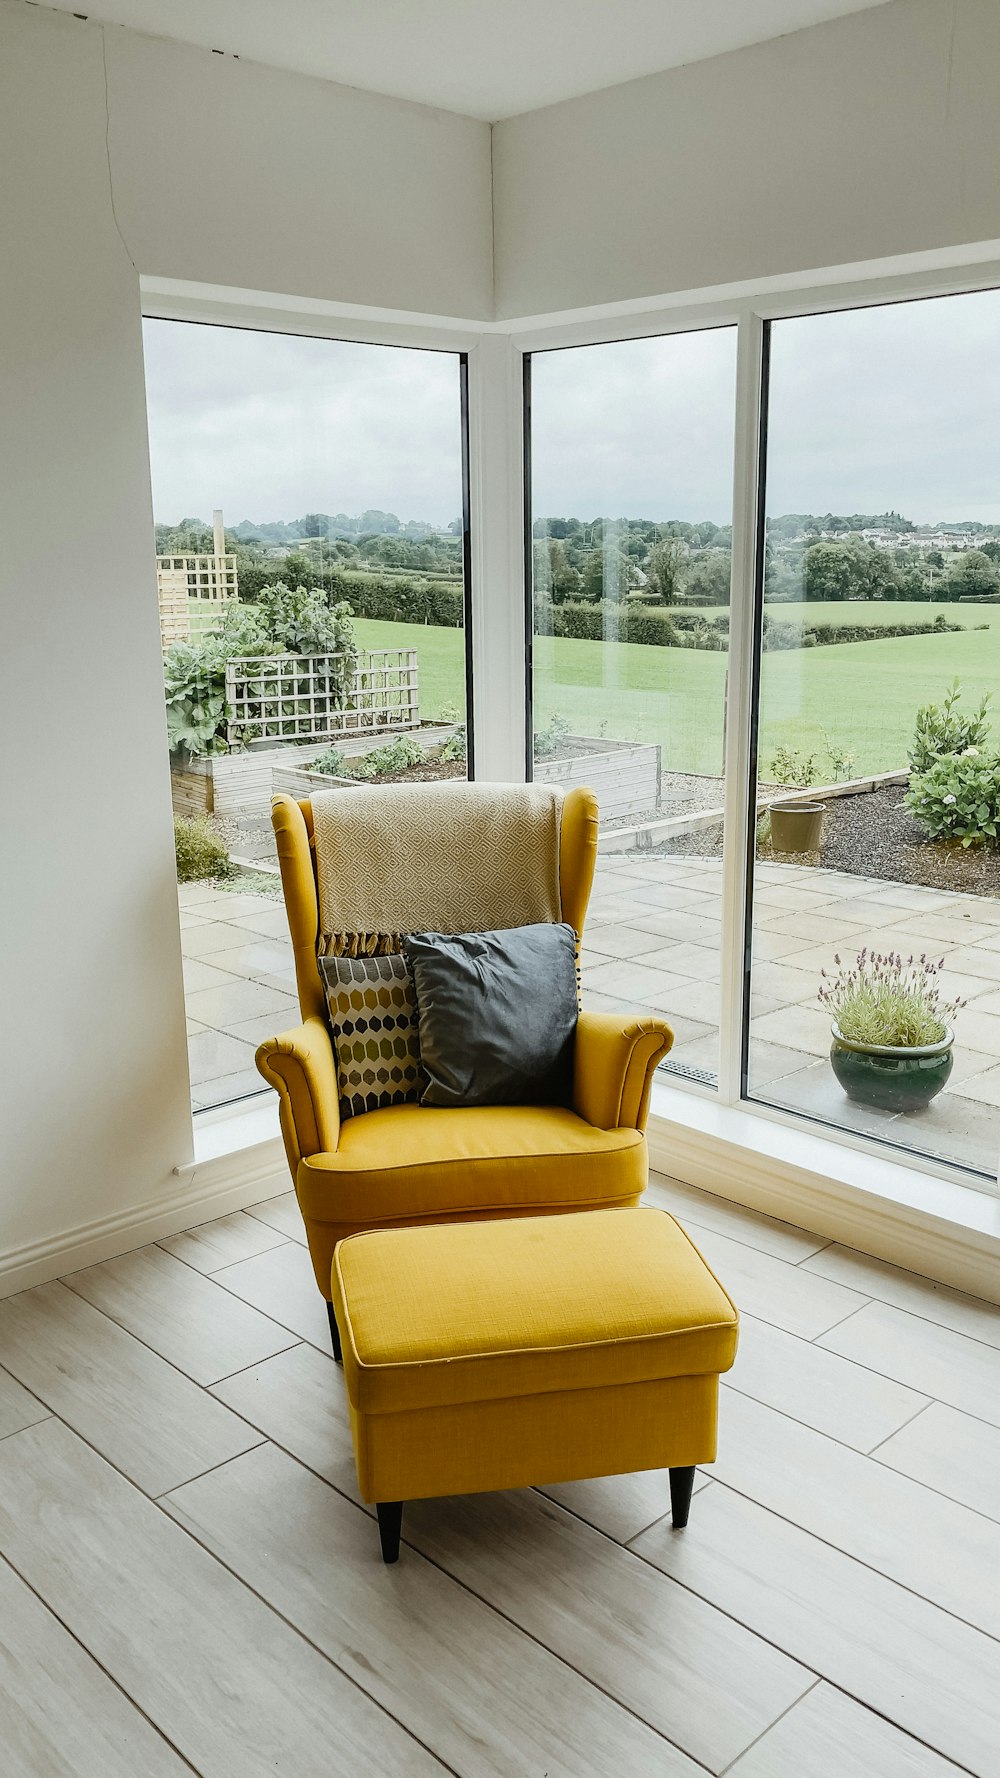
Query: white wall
pixel 223 172
pixel 874 135
pixel 230 173
pixel 94 1083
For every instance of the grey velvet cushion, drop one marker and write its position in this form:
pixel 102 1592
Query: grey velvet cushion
pixel 496 1014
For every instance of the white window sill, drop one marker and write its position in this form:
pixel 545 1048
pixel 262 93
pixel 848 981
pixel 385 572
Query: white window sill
pixel 932 1225
pixel 879 1205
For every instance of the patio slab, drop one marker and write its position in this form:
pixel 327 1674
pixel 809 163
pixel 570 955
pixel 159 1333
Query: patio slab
pixel 652 945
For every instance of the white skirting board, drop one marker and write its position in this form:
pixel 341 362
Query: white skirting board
pixel 215 1186
pixel 934 1226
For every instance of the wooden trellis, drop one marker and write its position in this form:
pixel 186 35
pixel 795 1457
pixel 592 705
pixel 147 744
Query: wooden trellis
pixel 294 697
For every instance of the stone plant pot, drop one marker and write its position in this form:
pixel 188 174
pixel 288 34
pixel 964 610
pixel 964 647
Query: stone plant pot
pixel 796 827
pixel 891 1079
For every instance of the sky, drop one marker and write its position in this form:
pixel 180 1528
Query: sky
pixel 870 410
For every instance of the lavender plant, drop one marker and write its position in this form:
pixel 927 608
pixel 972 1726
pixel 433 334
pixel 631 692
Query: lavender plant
pixel 886 1000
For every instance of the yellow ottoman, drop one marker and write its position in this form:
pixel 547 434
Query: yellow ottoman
pixel 500 1354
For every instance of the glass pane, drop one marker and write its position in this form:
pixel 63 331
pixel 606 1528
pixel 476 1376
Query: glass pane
pixel 631 496
pixel 308 498
pixel 881 596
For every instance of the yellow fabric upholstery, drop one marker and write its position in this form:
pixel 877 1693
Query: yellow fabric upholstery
pixel 477 1446
pixel 498 1354
pixel 478 1312
pixel 410 1164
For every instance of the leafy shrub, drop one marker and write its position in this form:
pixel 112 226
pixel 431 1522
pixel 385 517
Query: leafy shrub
pixel 385 762
pixel 788 766
pixel 884 1000
pixel 334 762
pixel 194 678
pixel 284 620
pixel 456 746
pixel 945 730
pixel 549 740
pixel 299 620
pixel 198 849
pixel 958 797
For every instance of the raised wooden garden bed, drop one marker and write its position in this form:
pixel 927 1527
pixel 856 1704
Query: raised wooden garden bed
pixel 625 775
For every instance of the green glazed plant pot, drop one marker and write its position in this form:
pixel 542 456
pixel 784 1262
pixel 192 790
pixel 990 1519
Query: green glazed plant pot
pixel 796 827
pixel 891 1079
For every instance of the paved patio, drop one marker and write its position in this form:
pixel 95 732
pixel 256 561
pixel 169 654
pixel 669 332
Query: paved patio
pixel 652 942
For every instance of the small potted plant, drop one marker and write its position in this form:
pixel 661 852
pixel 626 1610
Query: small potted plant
pixel 892 1037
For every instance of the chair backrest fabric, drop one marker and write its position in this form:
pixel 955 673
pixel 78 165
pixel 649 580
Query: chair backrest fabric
pixel 295 836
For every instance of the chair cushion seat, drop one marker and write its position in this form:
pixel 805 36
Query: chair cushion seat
pixel 409 1161
pixel 481 1311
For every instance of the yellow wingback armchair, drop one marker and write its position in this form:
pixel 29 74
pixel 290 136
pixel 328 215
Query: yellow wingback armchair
pixel 410 1163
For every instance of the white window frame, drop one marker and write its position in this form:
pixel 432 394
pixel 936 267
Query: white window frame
pixel 870 1173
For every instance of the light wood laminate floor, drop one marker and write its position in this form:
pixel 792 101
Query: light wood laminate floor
pixel 189 1582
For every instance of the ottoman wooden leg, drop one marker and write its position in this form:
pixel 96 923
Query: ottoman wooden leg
pixel 681 1484
pixel 390 1523
pixel 334 1334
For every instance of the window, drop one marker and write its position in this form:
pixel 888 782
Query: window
pixel 312 540
pixel 631 452
pixel 880 596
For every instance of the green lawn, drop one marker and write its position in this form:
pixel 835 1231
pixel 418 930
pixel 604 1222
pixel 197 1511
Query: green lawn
pixel 861 696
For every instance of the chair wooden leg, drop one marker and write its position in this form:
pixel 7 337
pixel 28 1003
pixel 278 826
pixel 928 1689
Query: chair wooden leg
pixel 681 1484
pixel 390 1524
pixel 334 1334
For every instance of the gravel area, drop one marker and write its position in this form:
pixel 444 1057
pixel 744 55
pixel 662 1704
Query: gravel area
pixel 873 834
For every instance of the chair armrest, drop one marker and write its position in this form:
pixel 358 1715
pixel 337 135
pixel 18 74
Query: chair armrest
pixel 301 1065
pixel 616 1057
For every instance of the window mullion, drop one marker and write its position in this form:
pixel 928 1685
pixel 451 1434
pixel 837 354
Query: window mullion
pixel 740 793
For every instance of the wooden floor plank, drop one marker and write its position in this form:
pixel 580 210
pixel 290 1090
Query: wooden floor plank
pixel 282 1285
pixel 18 1408
pixel 138 1411
pixel 298 1399
pixel 953 1368
pixel 281 1213
pixel 706 1683
pixel 405 1633
pixel 620 1505
pixel 60 1716
pixel 908 1290
pixel 939 1549
pixel 234 1689
pixel 773 1290
pixel 927 1672
pixel 827 1735
pixel 703 1210
pixel 183 1316
pixel 952 1452
pixel 821 1389
pixel 222 1242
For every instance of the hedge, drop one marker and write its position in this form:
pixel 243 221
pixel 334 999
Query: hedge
pixel 397 598
pixel 655 626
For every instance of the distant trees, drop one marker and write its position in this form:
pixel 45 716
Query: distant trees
pixel 707 579
pixel 665 568
pixel 971 575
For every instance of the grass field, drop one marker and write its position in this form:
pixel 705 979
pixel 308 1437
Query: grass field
pixel 861 696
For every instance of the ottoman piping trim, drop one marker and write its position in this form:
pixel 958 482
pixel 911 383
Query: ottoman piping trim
pixel 673 1333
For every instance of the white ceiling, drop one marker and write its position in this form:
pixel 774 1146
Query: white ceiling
pixel 484 58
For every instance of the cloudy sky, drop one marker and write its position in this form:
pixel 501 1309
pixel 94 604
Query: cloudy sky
pixel 897 407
